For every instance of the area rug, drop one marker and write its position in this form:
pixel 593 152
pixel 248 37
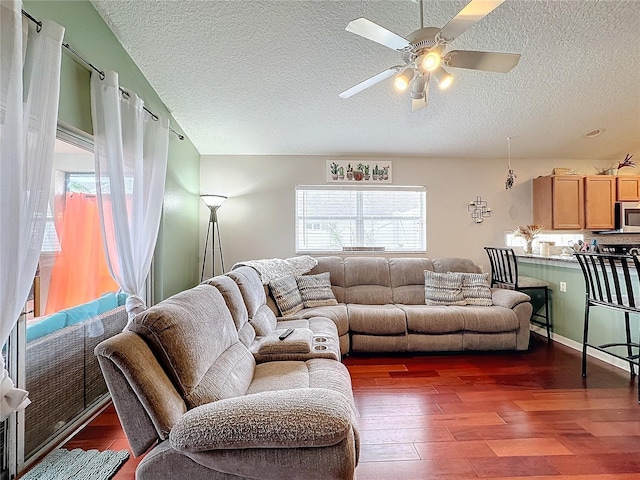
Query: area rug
pixel 78 464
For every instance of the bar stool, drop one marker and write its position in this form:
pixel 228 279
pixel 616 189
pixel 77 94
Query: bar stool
pixel 504 274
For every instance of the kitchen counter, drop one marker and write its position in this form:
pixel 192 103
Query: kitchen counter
pixel 558 260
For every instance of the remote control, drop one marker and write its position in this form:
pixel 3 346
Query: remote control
pixel 286 333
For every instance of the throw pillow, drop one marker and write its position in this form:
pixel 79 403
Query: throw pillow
pixel 476 289
pixel 286 294
pixel 316 290
pixel 443 288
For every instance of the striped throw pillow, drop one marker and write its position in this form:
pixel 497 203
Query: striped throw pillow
pixel 316 290
pixel 443 288
pixel 476 289
pixel 285 292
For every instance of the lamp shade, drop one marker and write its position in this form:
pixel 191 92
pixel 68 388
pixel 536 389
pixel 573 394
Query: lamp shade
pixel 213 200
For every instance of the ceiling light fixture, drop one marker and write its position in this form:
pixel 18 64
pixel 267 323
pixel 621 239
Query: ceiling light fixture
pixel 594 133
pixel 443 78
pixel 417 87
pixel 429 61
pixel 403 79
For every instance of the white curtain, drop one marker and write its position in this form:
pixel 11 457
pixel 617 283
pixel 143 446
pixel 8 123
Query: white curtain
pixel 29 92
pixel 131 149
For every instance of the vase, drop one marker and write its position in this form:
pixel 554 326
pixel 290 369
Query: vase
pixel 528 249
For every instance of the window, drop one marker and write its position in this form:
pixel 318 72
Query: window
pixel 348 219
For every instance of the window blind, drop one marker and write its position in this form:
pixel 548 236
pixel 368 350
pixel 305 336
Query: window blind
pixel 343 219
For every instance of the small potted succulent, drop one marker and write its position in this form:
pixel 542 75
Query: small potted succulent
pixel 334 171
pixel 375 172
pixel 367 175
pixel 341 173
pixel 358 175
pixel 349 172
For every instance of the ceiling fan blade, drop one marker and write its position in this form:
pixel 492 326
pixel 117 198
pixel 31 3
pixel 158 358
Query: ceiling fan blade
pixel 475 11
pixel 367 29
pixel 368 82
pixel 487 61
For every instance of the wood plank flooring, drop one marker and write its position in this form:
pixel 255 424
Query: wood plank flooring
pixel 465 416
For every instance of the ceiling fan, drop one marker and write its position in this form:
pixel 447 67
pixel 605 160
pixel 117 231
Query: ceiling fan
pixel 425 54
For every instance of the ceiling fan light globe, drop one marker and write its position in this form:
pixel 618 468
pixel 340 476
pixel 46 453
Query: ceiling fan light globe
pixel 443 78
pixel 402 81
pixel 429 61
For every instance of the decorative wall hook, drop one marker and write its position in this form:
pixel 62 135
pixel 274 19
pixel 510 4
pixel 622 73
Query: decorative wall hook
pixel 479 210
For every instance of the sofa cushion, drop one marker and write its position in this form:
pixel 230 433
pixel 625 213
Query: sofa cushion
pixel 489 319
pixel 452 264
pixel 280 419
pixel 335 267
pixel 367 281
pixel 232 297
pixel 336 313
pixel 376 319
pixel 407 279
pixel 264 321
pixel 287 295
pixel 476 290
pixel 251 288
pixel 433 319
pixel 315 290
pixel 443 288
pixel 195 340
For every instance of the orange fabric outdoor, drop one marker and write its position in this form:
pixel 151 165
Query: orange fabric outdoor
pixel 80 273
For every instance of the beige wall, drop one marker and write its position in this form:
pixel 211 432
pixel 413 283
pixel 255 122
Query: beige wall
pixel 257 221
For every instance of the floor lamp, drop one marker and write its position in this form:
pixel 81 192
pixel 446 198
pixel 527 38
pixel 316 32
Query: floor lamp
pixel 213 202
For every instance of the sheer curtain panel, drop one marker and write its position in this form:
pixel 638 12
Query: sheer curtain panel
pixel 131 149
pixel 29 92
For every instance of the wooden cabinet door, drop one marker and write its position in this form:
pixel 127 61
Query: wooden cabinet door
pixel 628 188
pixel 568 202
pixel 599 196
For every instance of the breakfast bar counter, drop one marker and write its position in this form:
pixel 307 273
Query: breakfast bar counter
pixel 566 281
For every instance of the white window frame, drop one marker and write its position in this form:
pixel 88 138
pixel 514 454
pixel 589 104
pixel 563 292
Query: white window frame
pixel 301 249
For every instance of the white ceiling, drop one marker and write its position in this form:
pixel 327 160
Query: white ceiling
pixel 263 77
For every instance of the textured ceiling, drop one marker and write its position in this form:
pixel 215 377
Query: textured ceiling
pixel 263 77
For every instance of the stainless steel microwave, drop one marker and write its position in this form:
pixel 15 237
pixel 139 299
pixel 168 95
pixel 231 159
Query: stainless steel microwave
pixel 627 216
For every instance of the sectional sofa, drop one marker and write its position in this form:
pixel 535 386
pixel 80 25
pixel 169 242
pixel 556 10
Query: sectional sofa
pixel 380 307
pixel 187 388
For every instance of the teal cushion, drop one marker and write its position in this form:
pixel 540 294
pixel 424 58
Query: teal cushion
pixel 46 326
pixel 107 302
pixel 82 312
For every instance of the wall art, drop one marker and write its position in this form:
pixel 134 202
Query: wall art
pixel 347 171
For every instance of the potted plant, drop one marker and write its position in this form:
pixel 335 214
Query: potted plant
pixel 367 176
pixel 375 172
pixel 349 172
pixel 358 175
pixel 385 174
pixel 341 173
pixel 334 170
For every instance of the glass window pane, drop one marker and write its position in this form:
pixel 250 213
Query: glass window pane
pixel 347 219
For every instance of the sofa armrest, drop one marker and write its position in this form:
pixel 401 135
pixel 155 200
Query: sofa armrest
pixel 506 298
pixel 309 417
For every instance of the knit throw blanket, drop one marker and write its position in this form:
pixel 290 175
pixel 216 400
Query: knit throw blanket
pixel 272 268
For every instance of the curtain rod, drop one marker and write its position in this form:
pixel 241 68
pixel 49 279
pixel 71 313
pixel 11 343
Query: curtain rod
pixel 90 66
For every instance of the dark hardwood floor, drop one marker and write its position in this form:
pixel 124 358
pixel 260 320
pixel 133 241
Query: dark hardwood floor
pixel 487 415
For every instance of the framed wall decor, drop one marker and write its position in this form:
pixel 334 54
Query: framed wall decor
pixel 347 171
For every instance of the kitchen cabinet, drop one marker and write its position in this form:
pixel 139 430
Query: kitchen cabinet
pixel 628 188
pixel 558 202
pixel 599 198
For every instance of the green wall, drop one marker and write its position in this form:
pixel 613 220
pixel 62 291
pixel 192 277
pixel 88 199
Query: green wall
pixel 176 255
pixel 605 325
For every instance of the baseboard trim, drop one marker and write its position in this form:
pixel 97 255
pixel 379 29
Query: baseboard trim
pixel 616 362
